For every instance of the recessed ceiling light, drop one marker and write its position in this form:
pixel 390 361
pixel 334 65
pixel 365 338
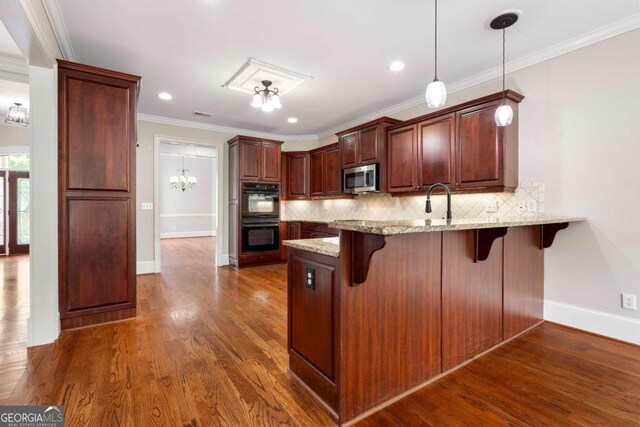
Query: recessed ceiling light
pixel 165 95
pixel 292 120
pixel 396 66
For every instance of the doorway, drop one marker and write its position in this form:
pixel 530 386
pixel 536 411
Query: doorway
pixel 15 214
pixel 182 211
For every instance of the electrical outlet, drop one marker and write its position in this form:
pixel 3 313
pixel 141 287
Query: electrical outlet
pixel 147 206
pixel 492 206
pixel 629 302
pixel 532 206
pixel 522 206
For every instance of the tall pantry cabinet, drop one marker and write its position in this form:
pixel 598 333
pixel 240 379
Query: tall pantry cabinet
pixel 96 184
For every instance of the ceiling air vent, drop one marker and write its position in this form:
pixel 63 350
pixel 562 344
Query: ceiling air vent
pixel 201 114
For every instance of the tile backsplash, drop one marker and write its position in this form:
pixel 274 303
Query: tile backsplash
pixel 381 206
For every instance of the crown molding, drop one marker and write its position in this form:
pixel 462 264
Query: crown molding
pixel 225 129
pixel 14 69
pixel 599 34
pixel 52 8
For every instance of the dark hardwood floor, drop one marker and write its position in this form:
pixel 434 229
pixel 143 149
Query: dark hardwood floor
pixel 208 348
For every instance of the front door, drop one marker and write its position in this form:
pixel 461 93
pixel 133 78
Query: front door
pixel 19 212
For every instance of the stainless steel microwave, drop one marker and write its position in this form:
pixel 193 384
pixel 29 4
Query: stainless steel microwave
pixel 362 179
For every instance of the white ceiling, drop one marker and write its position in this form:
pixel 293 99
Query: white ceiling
pixel 190 48
pixel 8 47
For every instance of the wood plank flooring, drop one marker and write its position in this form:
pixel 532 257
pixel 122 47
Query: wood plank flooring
pixel 208 348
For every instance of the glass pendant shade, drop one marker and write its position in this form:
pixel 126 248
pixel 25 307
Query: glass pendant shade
pixel 267 107
pixel 18 115
pixel 257 101
pixel 174 179
pixel 504 115
pixel 436 94
pixel 275 101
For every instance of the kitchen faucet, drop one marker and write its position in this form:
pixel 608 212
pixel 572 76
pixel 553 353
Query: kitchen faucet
pixel 433 187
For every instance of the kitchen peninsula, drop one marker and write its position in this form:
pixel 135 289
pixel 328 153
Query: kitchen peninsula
pixel 391 305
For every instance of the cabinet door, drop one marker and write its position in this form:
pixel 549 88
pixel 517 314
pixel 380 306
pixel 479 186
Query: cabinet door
pixel 297 176
pixel 368 145
pixel 332 172
pixel 401 160
pixel 436 151
pixel 270 162
pixel 471 299
pixel 479 147
pixel 349 143
pixel 250 160
pixel 311 317
pixel 316 174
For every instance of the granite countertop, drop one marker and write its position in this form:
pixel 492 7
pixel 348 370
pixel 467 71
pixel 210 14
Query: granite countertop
pixel 387 228
pixel 325 246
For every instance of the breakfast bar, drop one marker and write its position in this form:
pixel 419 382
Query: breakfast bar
pixel 389 306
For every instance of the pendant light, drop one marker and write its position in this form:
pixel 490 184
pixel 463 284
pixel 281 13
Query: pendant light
pixel 504 113
pixel 436 93
pixel 182 181
pixel 18 115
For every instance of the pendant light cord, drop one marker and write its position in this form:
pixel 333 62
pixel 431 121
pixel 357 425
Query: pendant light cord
pixel 436 40
pixel 504 55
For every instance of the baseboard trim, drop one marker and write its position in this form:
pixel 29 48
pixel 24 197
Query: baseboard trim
pixel 598 322
pixel 183 234
pixel 145 267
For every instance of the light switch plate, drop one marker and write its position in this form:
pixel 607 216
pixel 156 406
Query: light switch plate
pixel 147 206
pixel 532 206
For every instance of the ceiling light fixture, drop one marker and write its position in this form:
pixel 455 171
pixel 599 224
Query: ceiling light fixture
pixel 182 181
pixel 396 66
pixel 165 95
pixel 504 113
pixel 266 98
pixel 17 115
pixel 436 93
pixel 292 120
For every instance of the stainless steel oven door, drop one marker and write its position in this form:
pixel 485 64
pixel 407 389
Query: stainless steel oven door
pixel 362 179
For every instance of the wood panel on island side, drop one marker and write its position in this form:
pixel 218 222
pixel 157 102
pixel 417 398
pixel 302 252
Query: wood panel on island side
pixel 394 312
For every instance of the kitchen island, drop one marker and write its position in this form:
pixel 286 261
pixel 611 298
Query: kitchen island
pixel 392 305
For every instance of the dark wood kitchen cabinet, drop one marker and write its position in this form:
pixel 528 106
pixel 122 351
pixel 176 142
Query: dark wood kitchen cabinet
pixel 250 160
pixel 296 175
pixel 460 146
pixel 258 159
pixel 97 205
pixel 314 174
pixel 326 174
pixel 313 332
pixel 364 144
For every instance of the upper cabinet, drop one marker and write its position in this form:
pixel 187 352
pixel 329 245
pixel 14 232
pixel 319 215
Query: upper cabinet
pixel 295 168
pixel 313 174
pixel 460 146
pixel 259 160
pixel 364 144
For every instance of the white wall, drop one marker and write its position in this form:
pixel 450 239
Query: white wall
pixel 580 135
pixel 189 213
pixel 13 136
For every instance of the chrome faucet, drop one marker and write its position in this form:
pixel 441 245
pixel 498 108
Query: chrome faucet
pixel 427 209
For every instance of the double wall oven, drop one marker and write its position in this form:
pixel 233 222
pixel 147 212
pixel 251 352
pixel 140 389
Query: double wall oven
pixel 260 217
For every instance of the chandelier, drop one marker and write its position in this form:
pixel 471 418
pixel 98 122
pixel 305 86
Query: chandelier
pixel 266 98
pixel 182 181
pixel 18 115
